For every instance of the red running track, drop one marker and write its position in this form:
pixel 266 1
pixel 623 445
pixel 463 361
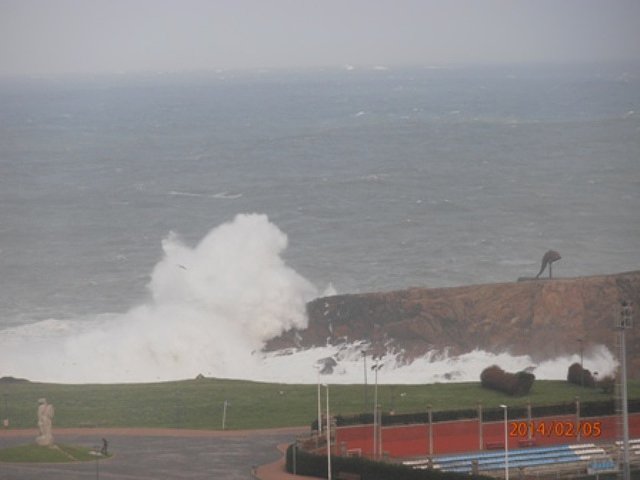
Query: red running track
pixel 464 435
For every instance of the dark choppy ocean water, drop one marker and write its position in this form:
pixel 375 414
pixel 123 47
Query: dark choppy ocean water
pixel 380 179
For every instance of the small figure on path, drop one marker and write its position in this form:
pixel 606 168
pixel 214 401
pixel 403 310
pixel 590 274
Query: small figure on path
pixel 105 445
pixel 45 423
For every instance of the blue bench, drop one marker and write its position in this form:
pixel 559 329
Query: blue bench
pixel 528 457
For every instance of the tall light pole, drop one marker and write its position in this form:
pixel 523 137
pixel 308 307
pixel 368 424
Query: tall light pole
pixel 317 367
pixel 5 419
pixel 376 440
pixel 98 466
pixel 328 435
pixel 506 444
pixel 624 324
pixel 319 407
pixel 581 362
pixel 430 417
pixel 224 414
pixel 364 358
pixel 295 451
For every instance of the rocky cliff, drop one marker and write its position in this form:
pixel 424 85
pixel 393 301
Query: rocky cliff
pixel 540 318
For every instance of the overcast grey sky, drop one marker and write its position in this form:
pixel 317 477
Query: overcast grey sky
pixel 82 36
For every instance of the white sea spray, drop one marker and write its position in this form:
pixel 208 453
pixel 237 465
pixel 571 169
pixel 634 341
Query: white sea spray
pixel 212 307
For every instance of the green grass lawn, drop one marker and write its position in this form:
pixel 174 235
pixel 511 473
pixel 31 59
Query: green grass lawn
pixel 38 454
pixel 199 403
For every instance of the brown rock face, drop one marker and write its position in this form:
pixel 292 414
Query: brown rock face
pixel 540 318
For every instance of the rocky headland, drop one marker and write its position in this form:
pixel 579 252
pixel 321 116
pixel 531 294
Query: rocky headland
pixel 542 318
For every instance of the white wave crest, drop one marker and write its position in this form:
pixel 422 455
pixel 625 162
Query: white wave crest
pixel 436 366
pixel 212 308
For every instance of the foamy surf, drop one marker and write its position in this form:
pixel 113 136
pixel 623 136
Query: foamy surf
pixel 212 308
pixel 68 351
pixel 435 366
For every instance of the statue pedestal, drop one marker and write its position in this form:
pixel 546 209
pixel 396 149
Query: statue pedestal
pixel 45 441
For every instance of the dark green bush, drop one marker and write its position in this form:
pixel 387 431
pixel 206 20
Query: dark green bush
pixel 606 384
pixel 515 384
pixel 580 376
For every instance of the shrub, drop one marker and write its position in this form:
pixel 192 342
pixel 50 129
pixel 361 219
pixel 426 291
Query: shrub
pixel 580 376
pixel 607 384
pixel 510 383
pixel 525 382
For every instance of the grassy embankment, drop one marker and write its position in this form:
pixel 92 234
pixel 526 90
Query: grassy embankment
pixel 198 403
pixel 38 454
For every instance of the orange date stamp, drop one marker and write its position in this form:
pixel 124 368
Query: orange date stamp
pixel 555 428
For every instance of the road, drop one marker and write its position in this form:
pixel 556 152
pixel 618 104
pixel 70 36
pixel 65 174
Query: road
pixel 155 454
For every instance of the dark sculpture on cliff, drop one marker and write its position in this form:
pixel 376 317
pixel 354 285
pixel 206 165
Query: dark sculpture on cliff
pixel 548 258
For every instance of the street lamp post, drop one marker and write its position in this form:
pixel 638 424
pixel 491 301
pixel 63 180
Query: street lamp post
pixel 506 444
pixel 295 451
pixel 328 435
pixel 364 358
pixel 224 413
pixel 375 368
pixel 319 407
pixel 317 367
pixel 5 417
pixel 430 417
pixel 581 363
pixel 625 323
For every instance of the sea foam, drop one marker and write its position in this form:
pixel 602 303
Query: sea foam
pixel 211 306
pixel 211 309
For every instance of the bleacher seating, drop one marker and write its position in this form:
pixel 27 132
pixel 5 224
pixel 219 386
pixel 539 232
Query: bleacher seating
pixel 634 446
pixel 601 465
pixel 529 457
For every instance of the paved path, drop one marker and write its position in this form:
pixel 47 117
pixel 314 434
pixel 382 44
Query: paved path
pixel 150 454
pixel 275 470
pixel 157 432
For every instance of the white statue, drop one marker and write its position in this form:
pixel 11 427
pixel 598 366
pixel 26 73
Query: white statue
pixel 45 422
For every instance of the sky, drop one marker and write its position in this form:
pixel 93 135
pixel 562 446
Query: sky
pixel 114 36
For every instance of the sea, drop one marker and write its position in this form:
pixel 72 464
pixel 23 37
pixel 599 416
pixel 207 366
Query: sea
pixel 160 226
